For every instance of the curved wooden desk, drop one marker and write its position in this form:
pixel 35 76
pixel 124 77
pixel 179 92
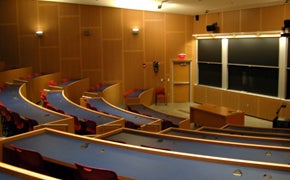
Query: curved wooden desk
pixel 140 162
pixel 13 99
pixel 244 133
pixel 140 121
pixel 233 150
pixel 104 122
pixel 188 133
pixel 140 96
pixel 174 121
pixel 109 91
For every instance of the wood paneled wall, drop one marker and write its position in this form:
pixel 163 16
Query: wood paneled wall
pixel 245 20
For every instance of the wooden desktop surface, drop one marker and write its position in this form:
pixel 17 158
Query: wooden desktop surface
pixel 215 116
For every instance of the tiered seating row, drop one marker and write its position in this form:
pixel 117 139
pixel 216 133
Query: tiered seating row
pixel 140 162
pixel 22 115
pixel 133 120
pixel 87 121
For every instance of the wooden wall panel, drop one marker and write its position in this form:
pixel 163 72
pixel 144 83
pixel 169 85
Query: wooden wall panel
pixel 287 11
pixel 175 23
pixel 67 9
pixel 189 48
pixel 91 49
pixel 48 23
pixel 200 94
pixel 267 107
pixel 132 69
pixel 199 26
pixel 69 37
pixel 90 16
pixel 250 20
pixel 112 23
pixel 8 12
pixel 71 68
pixel 214 96
pixel 49 60
pixel 285 112
pixel 133 19
pixel 272 18
pixel 175 44
pixel 29 52
pixel 249 104
pixel 231 21
pixel 94 75
pixel 9 50
pixel 148 15
pixel 27 10
pixel 230 99
pixel 113 60
pixel 154 41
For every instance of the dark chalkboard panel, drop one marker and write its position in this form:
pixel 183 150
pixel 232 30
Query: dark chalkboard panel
pixel 288 84
pixel 254 51
pixel 210 50
pixel 288 56
pixel 210 74
pixel 254 79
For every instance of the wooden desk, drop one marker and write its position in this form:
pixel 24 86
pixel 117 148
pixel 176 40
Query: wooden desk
pixel 215 116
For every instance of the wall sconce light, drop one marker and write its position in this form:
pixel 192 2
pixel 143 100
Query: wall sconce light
pixel 135 31
pixel 39 33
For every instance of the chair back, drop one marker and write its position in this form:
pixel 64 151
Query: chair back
pixel 31 160
pixel 92 173
pixel 160 90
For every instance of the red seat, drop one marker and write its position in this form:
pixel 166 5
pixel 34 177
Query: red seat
pixel 160 94
pixel 31 160
pixel 91 173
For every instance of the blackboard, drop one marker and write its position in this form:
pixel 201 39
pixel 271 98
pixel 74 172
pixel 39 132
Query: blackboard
pixel 210 50
pixel 288 85
pixel 210 74
pixel 254 79
pixel 288 54
pixel 254 51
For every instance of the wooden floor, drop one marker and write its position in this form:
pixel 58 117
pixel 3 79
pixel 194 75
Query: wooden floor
pixel 182 110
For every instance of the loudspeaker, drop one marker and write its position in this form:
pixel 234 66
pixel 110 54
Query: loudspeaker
pixel 212 27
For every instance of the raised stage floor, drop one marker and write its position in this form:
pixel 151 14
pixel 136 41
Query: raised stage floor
pixel 182 110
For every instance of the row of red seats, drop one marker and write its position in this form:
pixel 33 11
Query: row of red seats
pixel 81 126
pixel 127 93
pixel 55 83
pixel 95 87
pixel 34 161
pixel 13 123
pixel 30 76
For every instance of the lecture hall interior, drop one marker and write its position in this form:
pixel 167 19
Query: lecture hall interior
pixel 144 89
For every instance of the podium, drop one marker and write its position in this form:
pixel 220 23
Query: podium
pixel 215 116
